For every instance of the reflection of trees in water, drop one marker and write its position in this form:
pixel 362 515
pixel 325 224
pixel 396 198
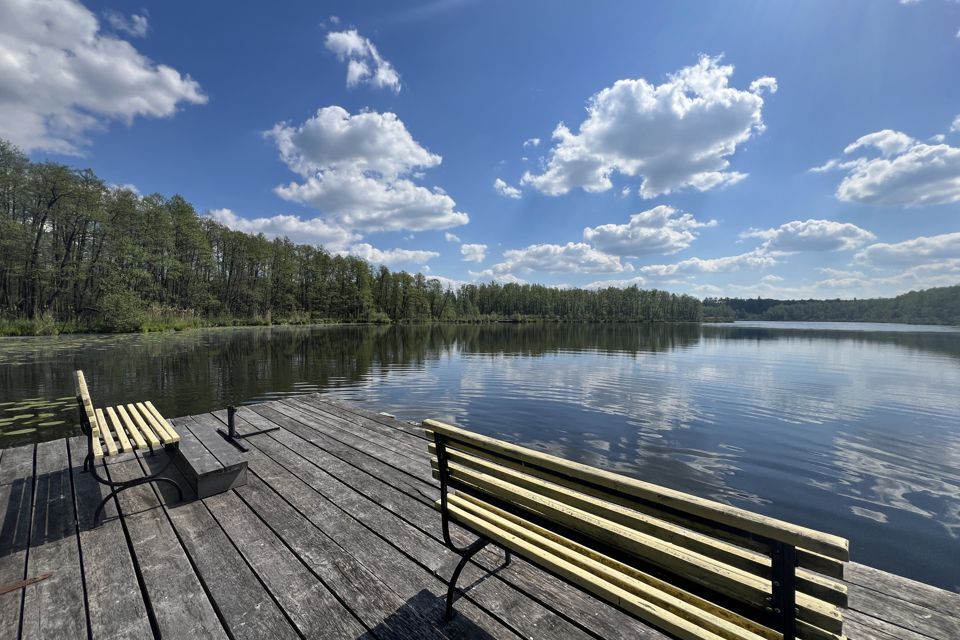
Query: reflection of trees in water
pixel 196 371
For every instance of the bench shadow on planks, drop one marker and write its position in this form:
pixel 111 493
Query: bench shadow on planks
pixel 209 464
pixel 694 568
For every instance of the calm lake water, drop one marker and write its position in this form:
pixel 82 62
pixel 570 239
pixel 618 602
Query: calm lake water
pixel 853 429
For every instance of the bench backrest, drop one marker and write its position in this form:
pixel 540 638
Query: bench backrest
pixel 121 429
pixel 743 561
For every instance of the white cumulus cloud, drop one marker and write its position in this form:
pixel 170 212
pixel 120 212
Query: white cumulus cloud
pixel 901 172
pixel 473 252
pixel 812 235
pixel 677 134
pixel 310 231
pixel 573 257
pixel 503 278
pixel 755 259
pixel 662 229
pixel 390 257
pixel 955 125
pixel 355 168
pixel 365 65
pixel 506 190
pixel 451 237
pixel 531 142
pixel 134 25
pixel 62 78
pixel 619 283
pixel 920 250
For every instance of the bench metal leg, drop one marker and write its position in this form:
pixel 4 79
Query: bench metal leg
pixel 468 553
pixel 117 487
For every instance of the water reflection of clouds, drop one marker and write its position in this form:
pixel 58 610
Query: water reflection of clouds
pixel 646 390
pixel 891 480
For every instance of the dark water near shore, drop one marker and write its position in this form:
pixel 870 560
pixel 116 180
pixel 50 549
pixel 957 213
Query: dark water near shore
pixel 853 429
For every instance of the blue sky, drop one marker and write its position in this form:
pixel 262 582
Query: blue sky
pixel 781 149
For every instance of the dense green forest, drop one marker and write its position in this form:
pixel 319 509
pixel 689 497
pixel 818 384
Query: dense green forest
pixel 78 255
pixel 931 306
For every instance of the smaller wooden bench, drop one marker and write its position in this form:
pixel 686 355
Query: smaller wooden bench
pixel 694 568
pixel 112 431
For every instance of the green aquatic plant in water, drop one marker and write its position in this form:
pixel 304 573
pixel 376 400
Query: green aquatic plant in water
pixel 21 421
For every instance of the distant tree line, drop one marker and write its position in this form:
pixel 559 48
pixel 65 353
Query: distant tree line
pixel 77 254
pixel 931 306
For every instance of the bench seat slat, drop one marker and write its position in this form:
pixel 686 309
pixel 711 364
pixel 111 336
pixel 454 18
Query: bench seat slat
pixel 105 434
pixel 155 424
pixel 684 604
pixel 119 430
pixel 593 583
pixel 131 427
pixel 167 433
pixel 143 426
pixel 822 543
pixel 702 570
pixel 679 601
pixel 748 561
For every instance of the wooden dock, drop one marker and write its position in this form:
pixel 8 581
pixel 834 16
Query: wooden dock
pixel 333 536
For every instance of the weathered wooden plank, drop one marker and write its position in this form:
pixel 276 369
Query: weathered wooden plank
pixel 410 483
pixel 54 608
pixel 244 605
pixel 413 500
pixel 826 544
pixel 204 427
pixel 181 606
pixel 419 468
pixel 395 570
pixel 311 606
pixel 924 595
pixel 206 473
pixel 538 589
pixel 369 600
pixel 192 458
pixel 904 614
pixel 493 595
pixel 363 423
pixel 115 602
pixel 16 498
pixel 357 426
pixel 860 626
pixel 412 429
pixel 387 437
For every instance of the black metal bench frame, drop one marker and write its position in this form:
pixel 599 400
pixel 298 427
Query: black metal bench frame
pixel 466 552
pixel 89 464
pixel 782 602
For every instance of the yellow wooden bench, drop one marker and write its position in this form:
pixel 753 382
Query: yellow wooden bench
pixel 121 429
pixel 694 568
